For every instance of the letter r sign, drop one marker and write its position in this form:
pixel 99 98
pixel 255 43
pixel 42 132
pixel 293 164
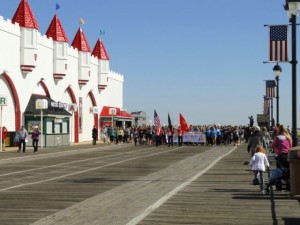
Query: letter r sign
pixel 3 100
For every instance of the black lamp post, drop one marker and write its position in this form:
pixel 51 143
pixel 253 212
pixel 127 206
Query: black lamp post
pixel 277 71
pixel 292 8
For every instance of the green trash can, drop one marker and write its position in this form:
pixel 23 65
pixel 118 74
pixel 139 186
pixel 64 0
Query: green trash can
pixel 294 160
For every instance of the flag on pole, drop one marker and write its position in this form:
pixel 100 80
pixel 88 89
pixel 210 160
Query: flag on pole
pixel 82 21
pixel 267 103
pixel 169 122
pixel 101 32
pixel 270 88
pixel 184 126
pixel 57 6
pixel 278 43
pixel 156 119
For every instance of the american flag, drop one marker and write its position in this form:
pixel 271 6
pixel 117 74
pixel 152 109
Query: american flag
pixel 278 43
pixel 270 88
pixel 156 119
pixel 267 101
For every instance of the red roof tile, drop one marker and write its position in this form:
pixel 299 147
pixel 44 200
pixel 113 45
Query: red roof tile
pixel 56 31
pixel 80 42
pixel 24 16
pixel 100 51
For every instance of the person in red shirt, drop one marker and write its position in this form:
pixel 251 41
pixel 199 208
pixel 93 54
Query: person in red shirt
pixel 180 136
pixel 3 137
pixel 158 133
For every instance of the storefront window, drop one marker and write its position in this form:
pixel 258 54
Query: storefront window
pixel 49 127
pixel 57 128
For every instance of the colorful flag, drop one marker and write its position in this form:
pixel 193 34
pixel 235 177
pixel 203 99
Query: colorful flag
pixel 82 21
pixel 169 122
pixel 184 126
pixel 156 119
pixel 57 6
pixel 278 43
pixel 101 32
pixel 270 88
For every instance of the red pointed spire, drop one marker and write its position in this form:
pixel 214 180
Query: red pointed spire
pixel 80 42
pixel 24 16
pixel 100 51
pixel 56 31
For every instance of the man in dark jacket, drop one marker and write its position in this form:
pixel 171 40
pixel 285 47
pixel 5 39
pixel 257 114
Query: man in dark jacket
pixel 94 135
pixel 256 139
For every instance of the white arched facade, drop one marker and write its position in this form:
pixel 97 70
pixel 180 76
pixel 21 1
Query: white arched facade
pixel 19 86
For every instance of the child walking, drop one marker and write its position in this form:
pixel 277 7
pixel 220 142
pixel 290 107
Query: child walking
pixel 258 163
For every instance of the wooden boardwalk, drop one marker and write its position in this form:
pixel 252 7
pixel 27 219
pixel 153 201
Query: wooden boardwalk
pixel 124 184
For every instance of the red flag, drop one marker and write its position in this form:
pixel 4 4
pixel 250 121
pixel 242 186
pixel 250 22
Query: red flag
pixel 184 126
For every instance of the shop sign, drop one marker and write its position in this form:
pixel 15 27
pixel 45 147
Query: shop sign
pixel 112 111
pixel 72 107
pixel 59 105
pixel 41 104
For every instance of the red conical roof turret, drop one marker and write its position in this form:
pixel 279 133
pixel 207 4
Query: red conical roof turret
pixel 80 42
pixel 24 16
pixel 56 31
pixel 100 51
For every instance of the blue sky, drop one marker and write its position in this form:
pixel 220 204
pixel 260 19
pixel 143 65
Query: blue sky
pixel 203 59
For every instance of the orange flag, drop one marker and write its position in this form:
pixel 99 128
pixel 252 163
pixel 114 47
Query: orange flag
pixel 184 126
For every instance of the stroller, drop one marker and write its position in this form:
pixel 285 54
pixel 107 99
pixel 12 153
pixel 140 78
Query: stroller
pixel 281 172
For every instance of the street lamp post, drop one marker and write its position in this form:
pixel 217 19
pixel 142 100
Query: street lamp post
pixel 277 71
pixel 292 8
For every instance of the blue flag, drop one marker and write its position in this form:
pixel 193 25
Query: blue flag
pixel 57 6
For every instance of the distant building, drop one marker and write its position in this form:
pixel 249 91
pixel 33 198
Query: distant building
pixel 139 118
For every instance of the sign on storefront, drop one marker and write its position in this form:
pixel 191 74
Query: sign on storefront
pixel 3 100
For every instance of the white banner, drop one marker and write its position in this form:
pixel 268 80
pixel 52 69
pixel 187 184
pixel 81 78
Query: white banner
pixel 193 137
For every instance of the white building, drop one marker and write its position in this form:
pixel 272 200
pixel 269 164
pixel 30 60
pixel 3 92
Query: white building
pixel 37 66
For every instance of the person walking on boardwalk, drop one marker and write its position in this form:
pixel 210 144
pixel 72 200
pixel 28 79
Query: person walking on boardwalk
pixel 23 135
pixel 180 136
pixel 35 139
pixel 158 133
pixel 256 139
pixel 259 162
pixel 94 134
pixel 170 136
pixel 3 137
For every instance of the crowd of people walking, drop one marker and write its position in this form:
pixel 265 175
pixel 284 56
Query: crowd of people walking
pixel 150 135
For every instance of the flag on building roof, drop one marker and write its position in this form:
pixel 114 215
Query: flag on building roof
pixel 57 6
pixel 270 88
pixel 101 32
pixel 156 119
pixel 278 43
pixel 82 21
pixel 183 124
pixel 169 122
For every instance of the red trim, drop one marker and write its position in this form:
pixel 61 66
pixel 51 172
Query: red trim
pixel 83 82
pixel 16 100
pixel 46 90
pixel 59 76
pixel 92 97
pixel 76 118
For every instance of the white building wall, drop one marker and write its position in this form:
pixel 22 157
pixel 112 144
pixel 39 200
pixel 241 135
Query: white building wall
pixel 26 85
